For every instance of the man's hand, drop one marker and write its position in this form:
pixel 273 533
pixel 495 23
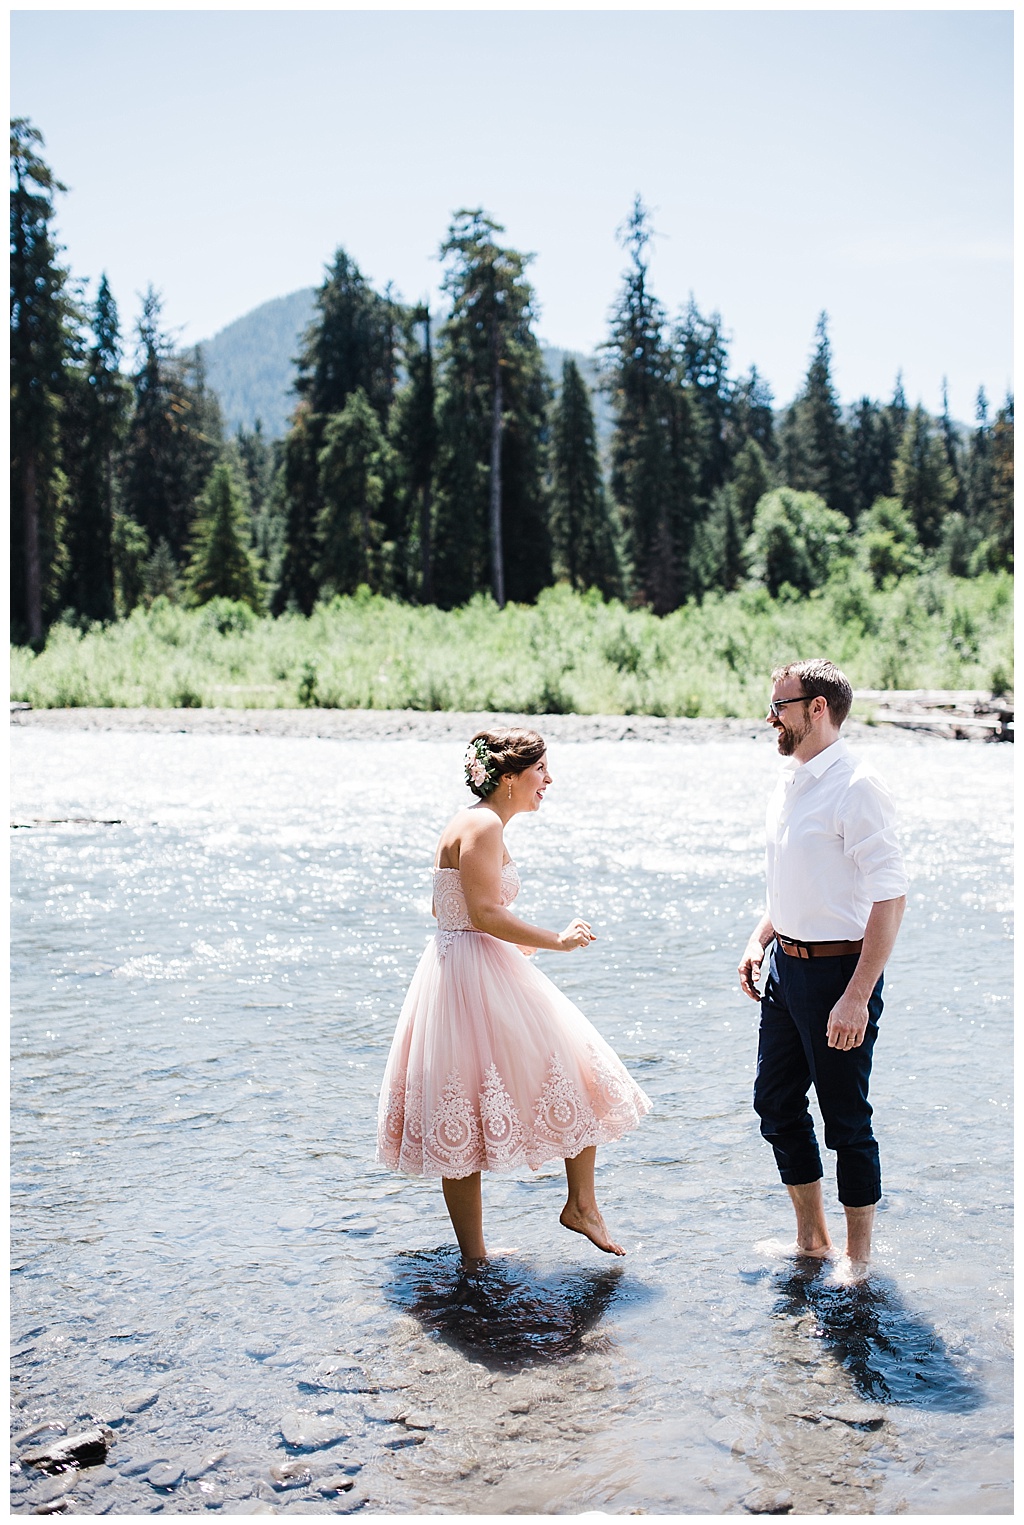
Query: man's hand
pixel 750 969
pixel 847 1023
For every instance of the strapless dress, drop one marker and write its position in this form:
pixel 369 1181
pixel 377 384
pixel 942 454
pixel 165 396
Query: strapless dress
pixel 491 1066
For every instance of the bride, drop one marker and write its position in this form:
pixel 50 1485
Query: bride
pixel 491 1065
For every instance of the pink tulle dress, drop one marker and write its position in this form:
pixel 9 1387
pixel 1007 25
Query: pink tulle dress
pixel 491 1065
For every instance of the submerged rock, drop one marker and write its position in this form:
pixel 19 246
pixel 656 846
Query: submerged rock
pixel 166 1474
pixel 768 1502
pixel 143 1399
pixel 81 1450
pixel 310 1431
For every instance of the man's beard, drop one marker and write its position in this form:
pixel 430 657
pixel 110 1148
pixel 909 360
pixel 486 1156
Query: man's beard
pixel 789 740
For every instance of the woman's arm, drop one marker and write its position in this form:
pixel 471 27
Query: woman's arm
pixel 480 857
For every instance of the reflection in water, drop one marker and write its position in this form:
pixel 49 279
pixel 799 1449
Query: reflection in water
pixel 891 1353
pixel 502 1313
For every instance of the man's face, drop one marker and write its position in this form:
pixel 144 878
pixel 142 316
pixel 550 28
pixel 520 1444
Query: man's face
pixel 793 723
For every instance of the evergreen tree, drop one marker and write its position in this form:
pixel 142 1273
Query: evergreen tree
pixel 815 443
pixel 414 436
pixel 752 477
pixel 752 414
pixel 951 445
pixel 93 430
pixel 490 524
pixel 656 445
pixel 175 436
pixel 130 553
pixel 582 530
pixel 999 528
pixel 298 490
pixel 42 323
pixel 870 454
pixel 350 343
pixel 221 563
pixel 701 363
pixel 979 474
pixel 160 575
pixel 355 462
pixel 719 552
pixel 924 483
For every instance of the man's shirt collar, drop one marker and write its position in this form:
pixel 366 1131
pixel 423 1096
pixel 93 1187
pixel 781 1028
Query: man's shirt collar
pixel 792 767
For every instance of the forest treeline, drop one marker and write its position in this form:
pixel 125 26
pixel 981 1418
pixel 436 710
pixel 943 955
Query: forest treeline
pixel 429 458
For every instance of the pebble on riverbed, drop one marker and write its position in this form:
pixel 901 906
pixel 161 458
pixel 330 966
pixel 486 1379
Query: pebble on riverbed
pixel 768 1502
pixel 308 1432
pixel 81 1450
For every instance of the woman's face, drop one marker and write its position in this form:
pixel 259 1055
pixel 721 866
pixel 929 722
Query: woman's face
pixel 528 787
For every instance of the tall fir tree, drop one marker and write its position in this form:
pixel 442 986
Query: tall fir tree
pixel 870 455
pixel 924 483
pixel 93 431
pixel 582 529
pixel 655 455
pixel 490 527
pixel 355 464
pixel 979 471
pixel 414 437
pixel 752 477
pixel 815 443
pixel 752 414
pixel 999 529
pixel 297 489
pixel 175 436
pixel 43 324
pixel 701 365
pixel 350 343
pixel 221 562
pixel 951 445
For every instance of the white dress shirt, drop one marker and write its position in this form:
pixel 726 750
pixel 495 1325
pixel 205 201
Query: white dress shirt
pixel 831 848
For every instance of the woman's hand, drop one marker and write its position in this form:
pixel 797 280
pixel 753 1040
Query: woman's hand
pixel 576 935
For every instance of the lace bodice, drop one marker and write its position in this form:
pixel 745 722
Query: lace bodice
pixel 450 902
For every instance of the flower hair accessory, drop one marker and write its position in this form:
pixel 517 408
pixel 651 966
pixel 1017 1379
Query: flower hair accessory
pixel 481 773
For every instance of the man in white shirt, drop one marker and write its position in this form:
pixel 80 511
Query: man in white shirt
pixel 836 896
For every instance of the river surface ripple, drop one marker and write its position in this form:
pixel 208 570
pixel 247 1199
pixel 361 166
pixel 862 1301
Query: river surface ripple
pixel 206 1256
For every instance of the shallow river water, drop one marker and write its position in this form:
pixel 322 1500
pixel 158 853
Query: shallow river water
pixel 207 1259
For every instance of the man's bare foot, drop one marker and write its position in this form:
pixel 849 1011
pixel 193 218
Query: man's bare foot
pixel 849 1273
pixel 591 1225
pixel 791 1250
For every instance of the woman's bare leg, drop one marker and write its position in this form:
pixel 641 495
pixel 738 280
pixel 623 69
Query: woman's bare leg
pixel 465 1208
pixel 581 1212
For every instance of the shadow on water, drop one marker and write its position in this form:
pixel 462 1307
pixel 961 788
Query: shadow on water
pixel 503 1313
pixel 892 1353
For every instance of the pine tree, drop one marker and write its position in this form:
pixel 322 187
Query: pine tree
pixel 582 530
pixel 298 490
pixel 979 473
pixel 752 416
pixel 93 430
pixel 951 445
pixel 752 477
pixel 221 562
pixel 414 437
pixel 815 442
pixel 490 525
pixel 355 463
pixel 43 319
pixel 870 455
pixel 999 529
pixel 656 446
pixel 701 364
pixel 924 483
pixel 175 435
pixel 350 343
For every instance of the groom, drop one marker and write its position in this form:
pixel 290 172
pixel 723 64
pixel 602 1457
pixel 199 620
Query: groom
pixel 836 896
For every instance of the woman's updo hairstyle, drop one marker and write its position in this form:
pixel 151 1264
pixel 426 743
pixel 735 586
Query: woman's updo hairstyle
pixel 491 754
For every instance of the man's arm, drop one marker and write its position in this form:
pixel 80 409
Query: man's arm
pixel 750 964
pixel 848 1021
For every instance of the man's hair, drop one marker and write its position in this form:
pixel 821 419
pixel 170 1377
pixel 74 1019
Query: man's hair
pixel 821 679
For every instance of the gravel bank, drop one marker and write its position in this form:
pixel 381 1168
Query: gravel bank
pixel 397 725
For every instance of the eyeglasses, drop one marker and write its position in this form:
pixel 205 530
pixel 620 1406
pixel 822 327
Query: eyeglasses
pixel 777 704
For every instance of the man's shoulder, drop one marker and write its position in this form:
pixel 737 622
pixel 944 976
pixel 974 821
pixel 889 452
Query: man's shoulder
pixel 863 778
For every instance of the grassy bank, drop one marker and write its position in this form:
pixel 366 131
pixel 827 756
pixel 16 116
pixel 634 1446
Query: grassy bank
pixel 567 653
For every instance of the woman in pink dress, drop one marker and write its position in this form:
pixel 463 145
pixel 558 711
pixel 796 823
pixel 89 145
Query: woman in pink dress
pixel 491 1065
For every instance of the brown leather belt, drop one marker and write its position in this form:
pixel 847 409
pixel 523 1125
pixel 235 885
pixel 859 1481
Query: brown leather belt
pixel 795 949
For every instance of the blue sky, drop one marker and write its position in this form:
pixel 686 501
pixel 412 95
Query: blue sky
pixel 858 162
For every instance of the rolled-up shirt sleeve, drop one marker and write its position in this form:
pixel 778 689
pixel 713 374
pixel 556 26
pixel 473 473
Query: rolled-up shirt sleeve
pixel 868 827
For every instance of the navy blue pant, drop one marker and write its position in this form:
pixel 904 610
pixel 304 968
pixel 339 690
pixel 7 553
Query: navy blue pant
pixel 793 1054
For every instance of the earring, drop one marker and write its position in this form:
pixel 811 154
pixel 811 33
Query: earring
pixel 510 788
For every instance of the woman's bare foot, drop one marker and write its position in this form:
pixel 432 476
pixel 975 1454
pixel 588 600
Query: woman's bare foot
pixel 591 1225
